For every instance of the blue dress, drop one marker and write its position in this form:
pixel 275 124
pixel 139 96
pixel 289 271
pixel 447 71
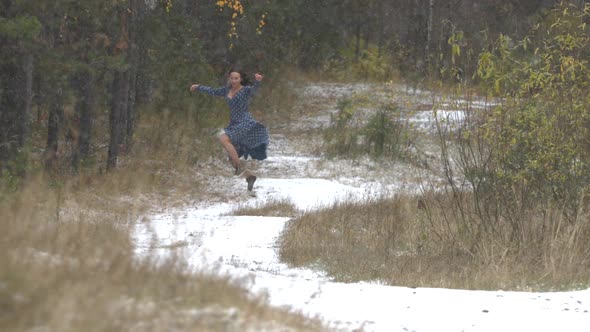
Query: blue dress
pixel 249 137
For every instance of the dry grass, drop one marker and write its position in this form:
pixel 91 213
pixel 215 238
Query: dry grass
pixel 351 240
pixel 408 242
pixel 68 265
pixel 273 208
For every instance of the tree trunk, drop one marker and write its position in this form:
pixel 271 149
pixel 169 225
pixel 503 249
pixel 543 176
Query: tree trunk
pixel 85 108
pixel 8 116
pixel 15 109
pixel 137 12
pixel 131 115
pixel 27 95
pixel 419 35
pixel 122 104
pixel 143 83
pixel 357 48
pixel 53 128
pixel 368 28
pixel 380 27
pixel 120 93
pixel 402 29
pixel 429 35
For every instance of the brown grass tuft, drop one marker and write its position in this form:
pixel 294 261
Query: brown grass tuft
pixel 273 208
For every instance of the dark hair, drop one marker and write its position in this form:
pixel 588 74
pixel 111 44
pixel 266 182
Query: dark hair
pixel 245 80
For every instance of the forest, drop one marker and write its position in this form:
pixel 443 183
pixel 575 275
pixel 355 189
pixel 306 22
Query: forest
pixel 68 66
pixel 96 111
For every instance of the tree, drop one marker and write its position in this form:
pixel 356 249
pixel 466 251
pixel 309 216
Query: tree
pixel 17 35
pixel 429 29
pixel 120 88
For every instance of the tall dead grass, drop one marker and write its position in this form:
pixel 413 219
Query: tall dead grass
pixel 68 264
pixel 410 241
pixel 351 240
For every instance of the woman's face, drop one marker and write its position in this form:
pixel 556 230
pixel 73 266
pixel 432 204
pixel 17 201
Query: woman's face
pixel 235 79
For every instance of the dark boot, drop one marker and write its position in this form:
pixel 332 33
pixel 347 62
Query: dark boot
pixel 251 179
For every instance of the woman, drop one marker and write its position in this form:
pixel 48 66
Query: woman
pixel 243 136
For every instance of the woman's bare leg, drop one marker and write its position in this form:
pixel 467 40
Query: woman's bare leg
pixel 231 150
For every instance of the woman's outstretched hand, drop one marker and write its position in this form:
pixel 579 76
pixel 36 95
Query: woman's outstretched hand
pixel 194 87
pixel 258 77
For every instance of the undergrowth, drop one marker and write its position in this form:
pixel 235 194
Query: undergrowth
pixel 364 125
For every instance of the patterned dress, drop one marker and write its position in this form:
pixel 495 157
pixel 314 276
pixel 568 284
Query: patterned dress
pixel 249 137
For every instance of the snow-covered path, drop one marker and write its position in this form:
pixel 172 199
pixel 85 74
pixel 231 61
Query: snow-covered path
pixel 244 246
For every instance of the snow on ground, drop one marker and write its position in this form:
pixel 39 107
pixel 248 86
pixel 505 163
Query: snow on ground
pixel 244 246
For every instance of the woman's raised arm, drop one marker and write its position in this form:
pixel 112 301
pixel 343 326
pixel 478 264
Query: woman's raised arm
pixel 208 90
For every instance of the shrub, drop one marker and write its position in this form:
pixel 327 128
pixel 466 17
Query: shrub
pixel 521 167
pixel 377 131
